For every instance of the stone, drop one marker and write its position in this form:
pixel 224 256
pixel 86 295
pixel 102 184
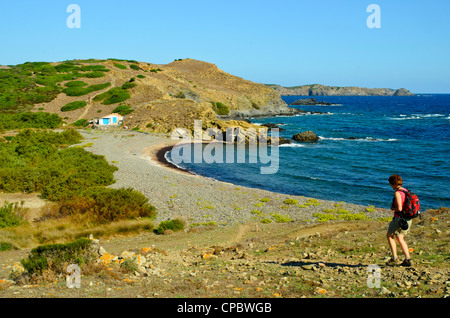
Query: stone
pixel 306 136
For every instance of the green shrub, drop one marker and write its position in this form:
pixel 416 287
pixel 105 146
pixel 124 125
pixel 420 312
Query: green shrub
pixel 141 76
pixel 220 109
pixel 79 90
pixel 41 162
pixel 8 215
pixel 81 123
pixel 113 96
pixel 57 256
pixel 128 85
pixel 174 225
pixel 123 110
pixel 94 74
pixel 121 66
pixel 280 218
pixel 76 84
pixel 73 106
pixel 29 120
pixel 290 201
pixel 5 246
pixel 104 205
pixel 135 67
pixel 87 68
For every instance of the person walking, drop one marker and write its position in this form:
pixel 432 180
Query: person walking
pixel 399 226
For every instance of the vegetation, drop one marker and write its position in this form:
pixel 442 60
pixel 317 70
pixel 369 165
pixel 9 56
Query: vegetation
pixel 173 225
pixel 29 120
pixel 121 66
pixel 290 201
pixel 113 96
pixel 10 214
pixel 27 84
pixel 81 123
pixel 80 90
pixel 220 109
pixel 135 67
pixel 73 106
pixel 123 110
pixel 101 205
pixel 57 257
pixel 41 162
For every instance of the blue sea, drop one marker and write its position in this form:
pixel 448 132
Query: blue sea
pixel 363 141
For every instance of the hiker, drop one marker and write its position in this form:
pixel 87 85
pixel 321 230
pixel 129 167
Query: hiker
pixel 395 227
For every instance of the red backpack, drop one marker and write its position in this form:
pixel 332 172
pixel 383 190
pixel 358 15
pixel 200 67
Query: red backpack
pixel 411 206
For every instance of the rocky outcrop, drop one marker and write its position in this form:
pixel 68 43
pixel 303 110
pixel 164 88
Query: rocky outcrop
pixel 310 102
pixel 322 90
pixel 306 136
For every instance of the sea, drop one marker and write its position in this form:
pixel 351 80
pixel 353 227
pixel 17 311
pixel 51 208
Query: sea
pixel 362 141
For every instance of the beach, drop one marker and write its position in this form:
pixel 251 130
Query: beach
pixel 198 200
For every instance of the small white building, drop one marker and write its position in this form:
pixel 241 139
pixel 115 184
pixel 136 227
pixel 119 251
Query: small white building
pixel 110 120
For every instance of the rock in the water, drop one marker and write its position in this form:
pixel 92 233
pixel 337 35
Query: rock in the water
pixel 310 102
pixel 306 136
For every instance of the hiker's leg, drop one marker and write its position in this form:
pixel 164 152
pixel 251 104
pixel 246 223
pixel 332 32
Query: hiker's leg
pixel 392 244
pixel 403 245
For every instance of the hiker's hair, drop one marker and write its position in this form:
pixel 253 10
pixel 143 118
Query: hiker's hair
pixel 395 180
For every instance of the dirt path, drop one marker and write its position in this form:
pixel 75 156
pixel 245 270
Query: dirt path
pixel 91 99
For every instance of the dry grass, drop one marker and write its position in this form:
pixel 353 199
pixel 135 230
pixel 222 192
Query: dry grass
pixel 67 229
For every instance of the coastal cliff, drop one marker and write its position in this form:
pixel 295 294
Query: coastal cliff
pixel 322 90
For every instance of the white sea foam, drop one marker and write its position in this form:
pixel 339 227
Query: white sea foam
pixel 292 145
pixel 369 139
pixel 416 116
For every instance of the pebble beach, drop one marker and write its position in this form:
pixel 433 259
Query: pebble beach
pixel 198 200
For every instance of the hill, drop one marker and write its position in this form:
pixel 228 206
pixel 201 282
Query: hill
pixel 161 97
pixel 322 90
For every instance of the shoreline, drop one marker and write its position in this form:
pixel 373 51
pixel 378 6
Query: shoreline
pixel 178 193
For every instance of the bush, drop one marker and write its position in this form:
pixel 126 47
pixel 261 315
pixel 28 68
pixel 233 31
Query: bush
pixel 135 67
pixel 128 85
pixel 40 162
pixel 113 96
pixel 29 120
pixel 121 66
pixel 76 84
pixel 103 205
pixel 290 201
pixel 79 90
pixel 8 215
pixel 123 110
pixel 220 109
pixel 5 246
pixel 94 74
pixel 57 257
pixel 174 225
pixel 73 106
pixel 81 123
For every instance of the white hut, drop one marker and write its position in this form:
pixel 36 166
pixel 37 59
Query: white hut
pixel 110 120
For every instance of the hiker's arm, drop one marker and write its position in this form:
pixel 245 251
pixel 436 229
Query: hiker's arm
pixel 398 201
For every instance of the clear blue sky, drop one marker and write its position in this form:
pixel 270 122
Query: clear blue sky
pixel 286 42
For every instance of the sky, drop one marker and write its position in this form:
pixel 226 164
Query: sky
pixel 285 42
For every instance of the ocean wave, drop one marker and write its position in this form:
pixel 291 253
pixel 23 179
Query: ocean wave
pixel 292 145
pixel 417 116
pixel 370 139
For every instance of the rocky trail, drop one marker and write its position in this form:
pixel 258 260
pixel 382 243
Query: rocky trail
pixel 277 260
